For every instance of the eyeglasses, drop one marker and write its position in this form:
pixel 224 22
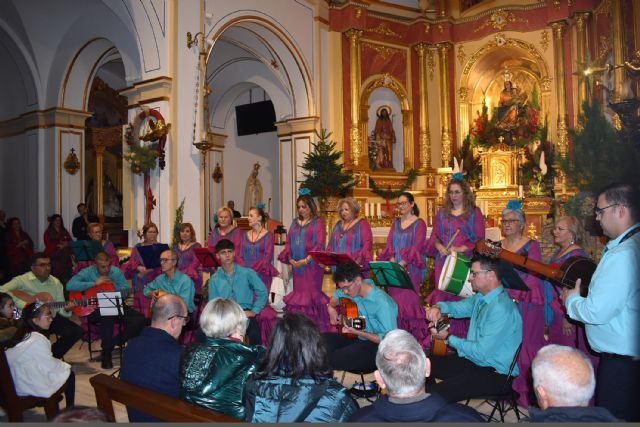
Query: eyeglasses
pixel 165 260
pixel 598 211
pixel 184 318
pixel 349 286
pixel 475 273
pixel 510 221
pixel 403 203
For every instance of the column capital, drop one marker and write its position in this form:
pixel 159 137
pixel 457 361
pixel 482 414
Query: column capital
pixel 353 34
pixel 444 46
pixel 558 28
pixel 421 48
pixel 580 19
pixel 147 91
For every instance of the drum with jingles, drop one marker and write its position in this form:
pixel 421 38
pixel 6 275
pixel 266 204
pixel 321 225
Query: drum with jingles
pixel 454 277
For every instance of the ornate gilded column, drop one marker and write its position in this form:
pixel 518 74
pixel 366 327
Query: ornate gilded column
pixel 354 85
pixel 445 113
pixel 425 136
pixel 581 53
pixel 558 29
pixel 618 38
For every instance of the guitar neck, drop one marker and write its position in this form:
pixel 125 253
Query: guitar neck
pixel 527 263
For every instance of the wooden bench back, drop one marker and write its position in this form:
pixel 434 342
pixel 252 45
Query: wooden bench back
pixel 159 405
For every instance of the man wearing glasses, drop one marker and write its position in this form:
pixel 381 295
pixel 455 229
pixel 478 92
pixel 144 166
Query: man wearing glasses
pixel 171 281
pixel 611 310
pixel 152 360
pixel 102 273
pixel 484 357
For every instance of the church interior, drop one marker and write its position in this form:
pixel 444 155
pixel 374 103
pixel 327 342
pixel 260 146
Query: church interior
pixel 163 111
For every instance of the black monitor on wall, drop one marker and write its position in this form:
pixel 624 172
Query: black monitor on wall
pixel 254 118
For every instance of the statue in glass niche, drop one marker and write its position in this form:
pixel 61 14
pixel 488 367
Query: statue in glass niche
pixel 252 190
pixel 383 138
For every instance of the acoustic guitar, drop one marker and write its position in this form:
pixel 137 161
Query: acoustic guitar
pixel 91 293
pixel 438 345
pixel 565 274
pixel 349 317
pixel 81 305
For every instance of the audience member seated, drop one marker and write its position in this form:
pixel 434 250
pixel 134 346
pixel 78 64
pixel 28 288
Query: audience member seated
pixel 482 363
pixel 171 281
pixel 18 248
pixel 402 370
pixel 103 273
pixel 295 381
pixel 375 305
pixel 8 323
pixel 152 359
pixel 564 382
pixel 40 283
pixel 34 370
pixel 241 284
pixel 81 414
pixel 214 372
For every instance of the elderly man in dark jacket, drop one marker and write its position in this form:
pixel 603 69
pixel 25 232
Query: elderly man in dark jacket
pixel 564 382
pixel 402 370
pixel 152 359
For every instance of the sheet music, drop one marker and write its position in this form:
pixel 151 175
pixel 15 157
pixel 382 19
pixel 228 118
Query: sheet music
pixel 109 303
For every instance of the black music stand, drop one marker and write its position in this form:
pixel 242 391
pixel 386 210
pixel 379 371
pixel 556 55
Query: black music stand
pixel 151 254
pixel 330 258
pixel 207 257
pixel 86 250
pixel 510 277
pixel 387 273
pixel 112 304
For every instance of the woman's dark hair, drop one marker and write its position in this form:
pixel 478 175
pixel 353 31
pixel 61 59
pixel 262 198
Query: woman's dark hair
pixel 296 349
pixel 409 197
pixel 26 325
pixel 308 200
pixel 261 213
pixel 4 298
pixel 53 218
pixel 10 222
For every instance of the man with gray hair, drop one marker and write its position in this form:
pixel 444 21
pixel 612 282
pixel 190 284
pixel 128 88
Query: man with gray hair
pixel 564 382
pixel 402 370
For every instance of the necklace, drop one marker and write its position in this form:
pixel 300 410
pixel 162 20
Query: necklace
pixel 253 239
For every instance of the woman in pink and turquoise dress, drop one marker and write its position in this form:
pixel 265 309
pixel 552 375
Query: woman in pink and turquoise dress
pixel 530 303
pixel 257 252
pixel 567 235
pixel 307 233
pixel 352 235
pixel 404 245
pixel 95 232
pixel 139 275
pixel 461 220
pixel 226 230
pixel 187 261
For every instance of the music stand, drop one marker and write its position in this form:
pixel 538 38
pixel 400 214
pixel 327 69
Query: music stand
pixel 151 254
pixel 207 257
pixel 86 250
pixel 510 277
pixel 387 273
pixel 112 304
pixel 330 258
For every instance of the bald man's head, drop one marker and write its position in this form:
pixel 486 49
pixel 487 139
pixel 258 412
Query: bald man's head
pixel 169 313
pixel 562 376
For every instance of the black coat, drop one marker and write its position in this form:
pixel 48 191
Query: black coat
pixel 572 414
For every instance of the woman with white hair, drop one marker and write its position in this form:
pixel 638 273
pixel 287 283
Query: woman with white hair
pixel 213 373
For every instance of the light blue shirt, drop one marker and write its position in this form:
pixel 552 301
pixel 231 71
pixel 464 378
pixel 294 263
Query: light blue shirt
pixel 611 310
pixel 379 310
pixel 495 330
pixel 241 286
pixel 180 285
pixel 86 278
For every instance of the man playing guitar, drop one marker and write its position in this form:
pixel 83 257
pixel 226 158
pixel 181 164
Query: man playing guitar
pixel 380 313
pixel 40 284
pixel 100 274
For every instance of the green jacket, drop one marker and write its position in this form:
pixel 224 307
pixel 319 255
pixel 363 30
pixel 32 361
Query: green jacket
pixel 213 374
pixel 278 400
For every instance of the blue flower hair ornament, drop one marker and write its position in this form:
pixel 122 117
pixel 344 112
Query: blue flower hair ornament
pixel 304 192
pixel 458 175
pixel 514 205
pixel 260 206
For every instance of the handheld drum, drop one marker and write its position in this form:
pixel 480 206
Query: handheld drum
pixel 454 277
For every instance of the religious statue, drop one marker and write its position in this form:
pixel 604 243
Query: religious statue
pixel 383 139
pixel 511 101
pixel 253 190
pixel 112 199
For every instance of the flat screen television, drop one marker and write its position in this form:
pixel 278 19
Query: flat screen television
pixel 257 117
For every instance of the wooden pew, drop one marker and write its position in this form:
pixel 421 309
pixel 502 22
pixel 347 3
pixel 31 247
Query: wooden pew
pixel 167 408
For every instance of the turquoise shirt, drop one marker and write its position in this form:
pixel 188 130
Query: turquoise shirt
pixel 379 310
pixel 180 285
pixel 495 329
pixel 86 278
pixel 241 286
pixel 29 283
pixel 611 310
